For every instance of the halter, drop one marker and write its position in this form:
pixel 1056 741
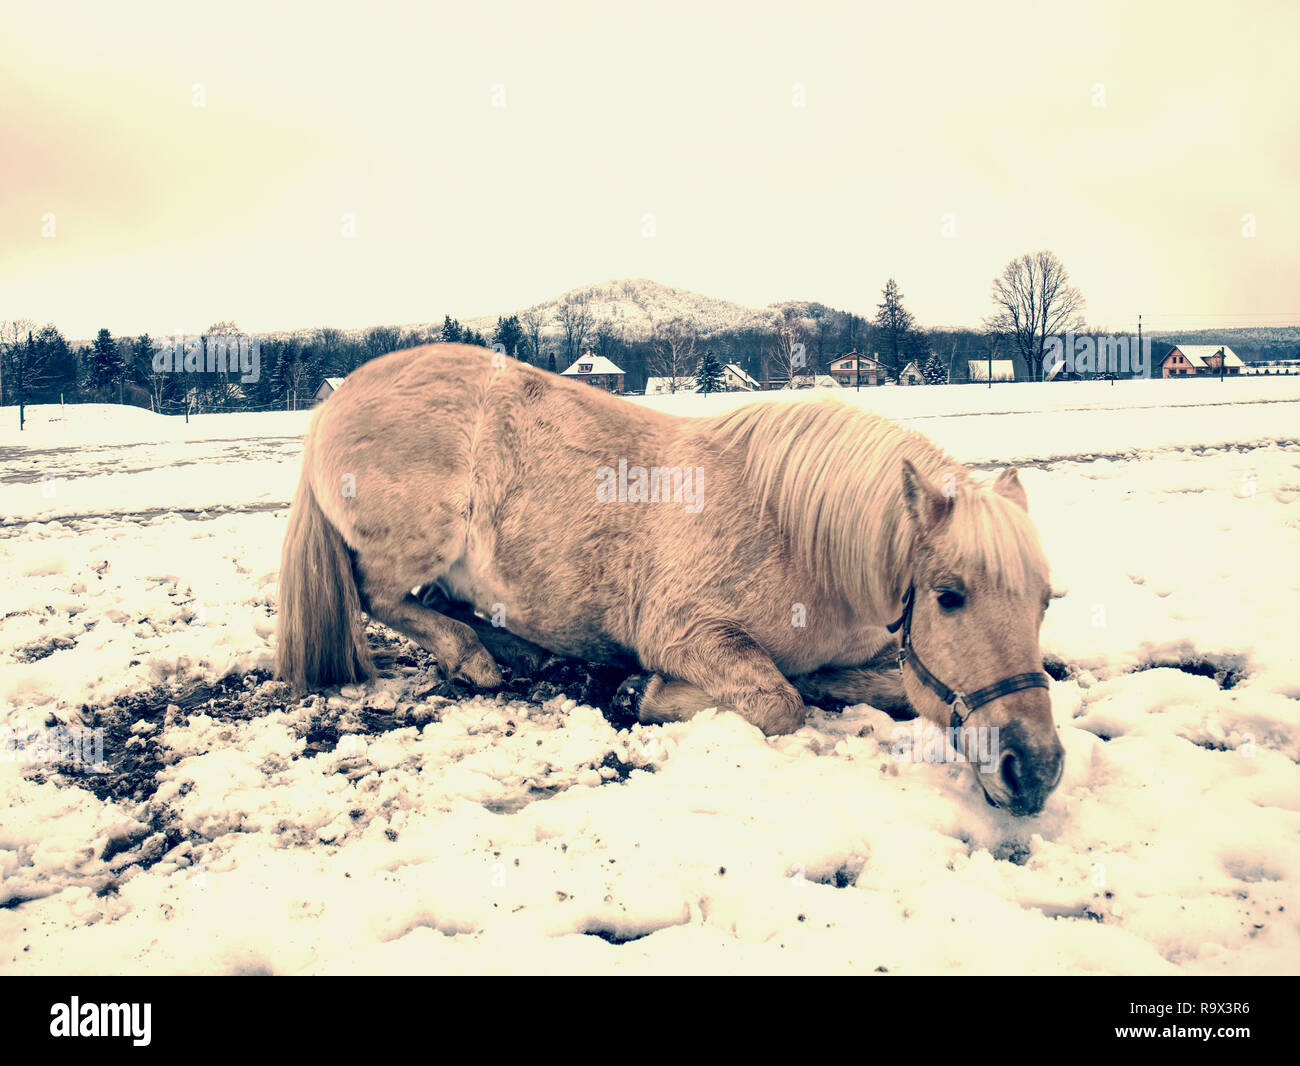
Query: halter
pixel 955 699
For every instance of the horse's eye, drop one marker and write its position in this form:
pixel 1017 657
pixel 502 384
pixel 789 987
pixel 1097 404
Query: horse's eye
pixel 950 600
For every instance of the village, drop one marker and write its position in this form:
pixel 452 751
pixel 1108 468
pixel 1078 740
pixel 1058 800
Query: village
pixel 858 371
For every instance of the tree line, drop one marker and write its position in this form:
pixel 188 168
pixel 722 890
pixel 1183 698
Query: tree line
pixel 1032 300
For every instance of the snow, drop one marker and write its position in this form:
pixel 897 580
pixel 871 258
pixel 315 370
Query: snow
pixel 488 835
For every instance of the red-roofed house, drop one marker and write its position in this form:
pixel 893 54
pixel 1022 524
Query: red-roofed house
pixel 1197 360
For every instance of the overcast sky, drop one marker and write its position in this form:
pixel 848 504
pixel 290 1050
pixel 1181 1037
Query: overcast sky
pixel 172 216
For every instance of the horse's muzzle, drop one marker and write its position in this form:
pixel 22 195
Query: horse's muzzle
pixel 1026 771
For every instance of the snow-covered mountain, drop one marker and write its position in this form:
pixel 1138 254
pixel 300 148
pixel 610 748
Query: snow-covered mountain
pixel 637 307
pixel 634 307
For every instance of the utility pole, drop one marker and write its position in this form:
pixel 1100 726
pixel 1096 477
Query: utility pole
pixel 1140 352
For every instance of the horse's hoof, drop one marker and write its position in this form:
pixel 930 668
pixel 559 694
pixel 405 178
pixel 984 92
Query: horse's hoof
pixel 626 702
pixel 479 669
pixel 521 661
pixel 787 718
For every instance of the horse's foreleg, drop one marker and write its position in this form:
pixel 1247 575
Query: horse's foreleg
pixel 878 683
pixel 722 667
pixel 523 657
pixel 454 644
pixel 658 699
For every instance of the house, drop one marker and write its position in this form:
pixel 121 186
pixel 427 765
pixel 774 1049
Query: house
pixel 1003 369
pixel 853 370
pixel 328 388
pixel 734 379
pixel 911 375
pixel 599 371
pixel 1199 360
pixel 666 386
pixel 810 381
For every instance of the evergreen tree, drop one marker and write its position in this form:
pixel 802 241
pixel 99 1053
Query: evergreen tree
pixel 895 323
pixel 509 334
pixel 550 362
pixel 916 349
pixel 451 331
pixel 106 366
pixel 60 365
pixel 933 370
pixel 296 374
pixel 709 375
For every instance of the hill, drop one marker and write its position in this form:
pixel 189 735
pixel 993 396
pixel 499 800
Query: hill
pixel 635 308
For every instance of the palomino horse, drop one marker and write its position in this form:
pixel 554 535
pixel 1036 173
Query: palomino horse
pixel 723 555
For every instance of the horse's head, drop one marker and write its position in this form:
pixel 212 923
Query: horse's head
pixel 979 588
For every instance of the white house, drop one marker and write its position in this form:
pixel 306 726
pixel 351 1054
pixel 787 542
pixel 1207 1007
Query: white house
pixel 911 375
pixel 327 389
pixel 734 379
pixel 854 370
pixel 1003 369
pixel 816 381
pixel 597 370
pixel 665 386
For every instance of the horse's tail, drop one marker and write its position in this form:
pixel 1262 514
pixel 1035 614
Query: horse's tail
pixel 321 638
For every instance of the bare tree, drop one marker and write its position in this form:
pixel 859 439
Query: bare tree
pixel 23 361
pixel 296 374
pixel 380 340
pixel 674 354
pixel 1034 300
pixel 219 389
pixel 328 344
pixel 157 382
pixel 788 354
pixel 12 333
pixel 533 324
pixel 609 335
pixel 574 320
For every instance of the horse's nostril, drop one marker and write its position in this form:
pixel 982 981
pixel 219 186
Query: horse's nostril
pixel 1011 772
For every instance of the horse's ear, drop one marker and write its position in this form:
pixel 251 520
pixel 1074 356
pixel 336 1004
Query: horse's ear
pixel 928 506
pixel 1008 485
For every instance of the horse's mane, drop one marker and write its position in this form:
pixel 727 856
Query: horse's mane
pixel 830 475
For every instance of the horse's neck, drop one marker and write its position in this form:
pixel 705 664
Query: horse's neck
pixel 846 517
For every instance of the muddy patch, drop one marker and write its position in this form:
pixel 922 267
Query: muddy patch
pixel 133 726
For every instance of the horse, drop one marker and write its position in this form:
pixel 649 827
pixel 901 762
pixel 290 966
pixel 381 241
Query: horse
pixel 740 561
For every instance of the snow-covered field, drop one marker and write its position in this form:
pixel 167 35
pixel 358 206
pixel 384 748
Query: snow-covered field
pixel 484 835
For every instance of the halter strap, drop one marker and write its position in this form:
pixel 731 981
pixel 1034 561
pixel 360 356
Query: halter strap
pixel 955 699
